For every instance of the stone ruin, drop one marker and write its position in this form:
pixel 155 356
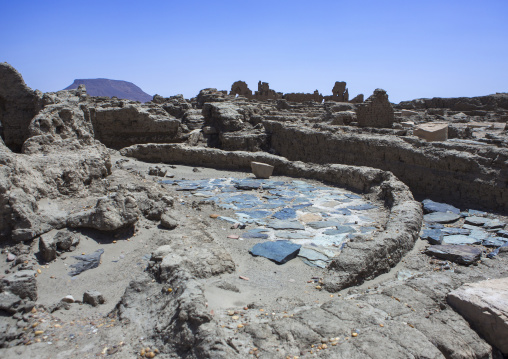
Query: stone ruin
pixel 174 277
pixel 339 93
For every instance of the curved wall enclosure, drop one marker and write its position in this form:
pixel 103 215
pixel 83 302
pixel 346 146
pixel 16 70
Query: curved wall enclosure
pixel 362 259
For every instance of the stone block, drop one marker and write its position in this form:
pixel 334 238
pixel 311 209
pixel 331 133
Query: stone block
pixel 261 170
pixel 461 254
pixel 485 306
pixel 47 247
pixel 278 251
pixel 432 131
pixel 21 283
pixel 93 297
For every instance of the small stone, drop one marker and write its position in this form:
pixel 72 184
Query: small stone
pixel 168 221
pixel 354 334
pixel 11 257
pixel 233 236
pixel 39 332
pixel 235 317
pixel 93 297
pixel 214 216
pixel 261 170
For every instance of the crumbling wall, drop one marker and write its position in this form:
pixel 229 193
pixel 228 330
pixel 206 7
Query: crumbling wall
pixel 463 174
pixel 240 88
pixel 377 111
pixel 304 97
pixel 118 124
pixel 496 102
pixel 18 105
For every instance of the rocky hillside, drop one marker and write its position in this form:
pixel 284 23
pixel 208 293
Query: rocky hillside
pixel 106 87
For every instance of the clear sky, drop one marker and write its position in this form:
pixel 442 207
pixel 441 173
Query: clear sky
pixel 410 48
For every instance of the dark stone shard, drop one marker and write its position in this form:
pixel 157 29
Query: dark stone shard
pixel 435 225
pixel 254 235
pixel 433 236
pixel 279 251
pixel 285 213
pixel 441 217
pixel 86 262
pixel 430 206
pixel 461 254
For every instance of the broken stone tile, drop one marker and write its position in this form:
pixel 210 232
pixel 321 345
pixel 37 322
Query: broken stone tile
pixel 460 239
pixel 324 224
pixel 476 221
pixel 339 230
pixel 362 207
pixel 453 230
pixel 285 213
pixel 290 225
pixel 461 254
pixel 278 251
pixel 494 242
pixel 441 217
pixel 291 235
pixel 430 206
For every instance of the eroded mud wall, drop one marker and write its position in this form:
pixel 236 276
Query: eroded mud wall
pixel 474 176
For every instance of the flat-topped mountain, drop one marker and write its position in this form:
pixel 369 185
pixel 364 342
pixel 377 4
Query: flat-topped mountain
pixel 106 87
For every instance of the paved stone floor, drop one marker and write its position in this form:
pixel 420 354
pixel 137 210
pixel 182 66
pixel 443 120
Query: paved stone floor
pixel 319 219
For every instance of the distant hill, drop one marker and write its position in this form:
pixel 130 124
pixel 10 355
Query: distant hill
pixel 106 87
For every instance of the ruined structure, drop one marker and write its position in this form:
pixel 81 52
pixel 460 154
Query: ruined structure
pixel 376 111
pixel 175 279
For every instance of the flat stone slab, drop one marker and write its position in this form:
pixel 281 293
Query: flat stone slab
pixel 289 225
pixel 441 217
pixel 461 254
pixel 433 236
pixel 279 251
pixel 476 221
pixel 460 239
pixel 291 235
pixel 339 230
pixel 485 305
pixel 324 224
pixel 494 242
pixel 429 206
pixel 452 231
pixel 314 258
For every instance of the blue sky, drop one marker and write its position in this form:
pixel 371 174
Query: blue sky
pixel 412 49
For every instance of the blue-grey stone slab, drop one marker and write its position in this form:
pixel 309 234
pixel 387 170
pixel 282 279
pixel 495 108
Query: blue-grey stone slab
pixel 245 205
pixel 454 230
pixel 494 224
pixel 362 207
pixel 324 224
pixel 303 205
pixel 441 217
pixel 433 236
pixel 474 212
pixel 494 241
pixel 291 235
pixel 228 189
pixel 324 240
pixel 435 225
pixel 460 239
pixel 314 258
pixel 429 206
pixel 476 221
pixel 290 225
pixel 461 254
pixel 479 234
pixel 278 251
pixel 339 230
pixel 285 213
pixel 257 235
